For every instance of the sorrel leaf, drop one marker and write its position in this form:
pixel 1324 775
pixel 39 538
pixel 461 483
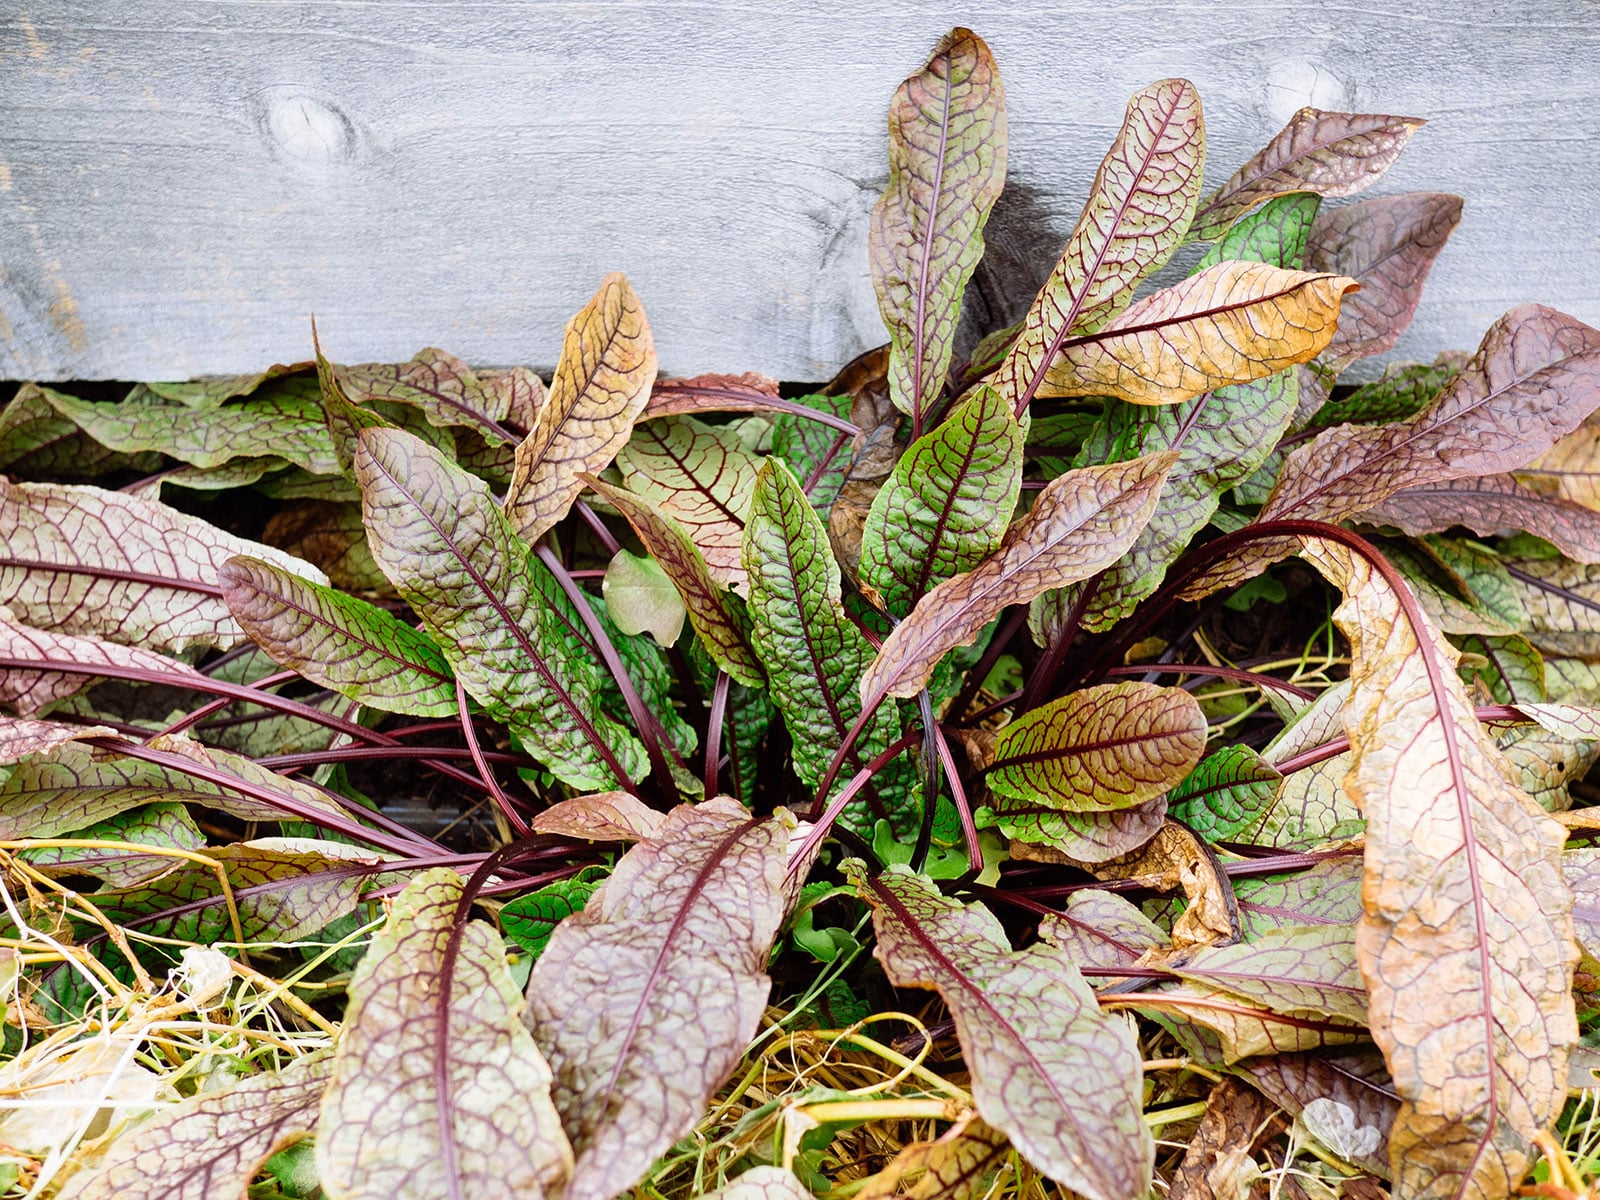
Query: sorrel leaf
pixel 1231 323
pixel 1083 837
pixel 602 381
pixel 645 1000
pixel 338 640
pixel 438 385
pixel 1466 939
pixel 946 505
pixel 953 1166
pixel 453 556
pixel 1081 523
pixel 83 560
pixel 437 1089
pixel 1353 1080
pixel 641 599
pixel 1387 245
pixel 28 691
pixel 947 165
pixel 1137 211
pixel 1225 793
pixel 1102 748
pixel 1276 233
pixel 211 1144
pixel 1487 504
pixel 1307 969
pixel 1329 153
pixel 1049 1069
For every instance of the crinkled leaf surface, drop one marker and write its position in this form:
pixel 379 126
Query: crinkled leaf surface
pixel 645 1000
pixel 453 556
pixel 1078 837
pixel 814 654
pixel 816 453
pixel 1225 793
pixel 1466 939
pixel 1052 1072
pixel 142 834
pixel 330 535
pixel 700 475
pixel 87 561
pixel 1489 504
pixel 1101 929
pixel 36 440
pixel 947 164
pixel 954 1166
pixel 212 1144
pixel 603 817
pixel 339 640
pixel 1275 233
pixel 1231 323
pixel 1080 523
pixel 1289 970
pixel 602 381
pixel 1401 391
pixel 762 1183
pixel 1387 245
pixel 946 505
pixel 1330 153
pixel 1102 748
pixel 437 1089
pixel 437 384
pixel 23 735
pixel 716 614
pixel 27 692
pixel 209 391
pixel 1137 211
pixel 530 920
pixel 1355 1080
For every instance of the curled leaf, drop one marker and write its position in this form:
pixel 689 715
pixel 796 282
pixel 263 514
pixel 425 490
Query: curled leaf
pixel 437 1089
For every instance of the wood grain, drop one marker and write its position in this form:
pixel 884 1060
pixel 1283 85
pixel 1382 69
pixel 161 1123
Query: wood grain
pixel 184 182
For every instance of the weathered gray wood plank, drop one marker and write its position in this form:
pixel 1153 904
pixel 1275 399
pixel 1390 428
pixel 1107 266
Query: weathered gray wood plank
pixel 183 182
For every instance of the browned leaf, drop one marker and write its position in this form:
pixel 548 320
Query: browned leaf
pixel 1490 504
pixel 1231 323
pixel 1080 523
pixel 1387 245
pixel 874 451
pixel 1466 936
pixel 1569 470
pixel 951 1167
pixel 1332 154
pixel 1175 859
pixel 1236 1122
pixel 602 381
pixel 1351 1088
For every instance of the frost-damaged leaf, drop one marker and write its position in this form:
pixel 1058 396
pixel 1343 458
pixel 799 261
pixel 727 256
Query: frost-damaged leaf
pixel 1490 504
pixel 1275 233
pixel 641 598
pixel 702 477
pixel 339 641
pixel 439 385
pixel 1176 859
pixel 84 560
pixel 1107 747
pixel 947 164
pixel 762 1183
pixel 452 555
pixel 27 692
pixel 1052 1072
pixel 1387 245
pixel 1466 940
pixel 1294 970
pixel 602 382
pixel 814 654
pixel 645 1001
pixel 953 1166
pixel 1218 1162
pixel 210 1145
pixel 1138 209
pixel 945 507
pixel 1221 1028
pixel 1080 523
pixel 1044 833
pixel 716 614
pixel 1224 794
pixel 1329 153
pixel 287 424
pixel 437 1089
pixel 1355 1081
pixel 1231 323
pixel 604 817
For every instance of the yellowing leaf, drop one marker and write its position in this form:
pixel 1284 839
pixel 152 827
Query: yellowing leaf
pixel 210 1145
pixel 641 599
pixel 1142 200
pixel 437 1090
pixel 1081 522
pixel 644 1001
pixel 947 164
pixel 602 381
pixel 1230 324
pixel 1330 153
pixel 1052 1072
pixel 1102 748
pixel 953 1166
pixel 1466 936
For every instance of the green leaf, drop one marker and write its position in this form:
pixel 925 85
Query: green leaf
pixel 530 920
pixel 645 1001
pixel 1509 669
pixel 804 445
pixel 1137 212
pixel 813 653
pixel 211 391
pixel 211 1144
pixel 1101 929
pixel 1080 523
pixel 437 1089
pixel 1224 794
pixel 339 641
pixel 1276 234
pixel 448 550
pixel 1051 1071
pixel 158 826
pixel 946 505
pixel 641 599
pixel 1102 748
pixel 37 441
pixel 947 164
pixel 1403 391
pixel 434 383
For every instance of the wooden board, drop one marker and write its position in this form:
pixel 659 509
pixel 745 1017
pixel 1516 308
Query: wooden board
pixel 184 182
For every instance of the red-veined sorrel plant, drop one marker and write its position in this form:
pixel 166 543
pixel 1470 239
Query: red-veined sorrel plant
pixel 938 644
